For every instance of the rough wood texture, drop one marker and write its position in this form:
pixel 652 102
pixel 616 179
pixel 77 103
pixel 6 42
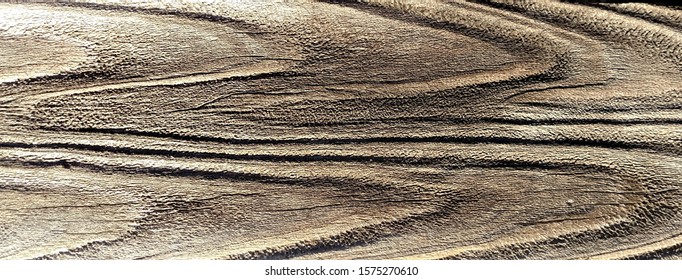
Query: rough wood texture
pixel 339 129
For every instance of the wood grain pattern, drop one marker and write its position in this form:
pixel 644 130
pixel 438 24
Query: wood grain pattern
pixel 374 129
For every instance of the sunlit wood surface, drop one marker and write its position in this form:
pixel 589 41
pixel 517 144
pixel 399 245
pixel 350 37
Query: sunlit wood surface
pixel 376 129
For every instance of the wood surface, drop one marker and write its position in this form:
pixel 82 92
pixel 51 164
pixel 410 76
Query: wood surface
pixel 376 129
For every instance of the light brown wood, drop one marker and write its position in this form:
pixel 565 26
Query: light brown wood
pixel 376 129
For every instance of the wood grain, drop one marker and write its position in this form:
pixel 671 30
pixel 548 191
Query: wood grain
pixel 375 129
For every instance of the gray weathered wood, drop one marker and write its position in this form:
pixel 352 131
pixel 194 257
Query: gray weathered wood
pixel 340 129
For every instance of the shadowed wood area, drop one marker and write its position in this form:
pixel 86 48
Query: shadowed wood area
pixel 377 129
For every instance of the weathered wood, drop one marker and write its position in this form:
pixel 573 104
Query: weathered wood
pixel 340 129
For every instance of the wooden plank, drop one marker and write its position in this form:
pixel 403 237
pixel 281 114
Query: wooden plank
pixel 340 130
